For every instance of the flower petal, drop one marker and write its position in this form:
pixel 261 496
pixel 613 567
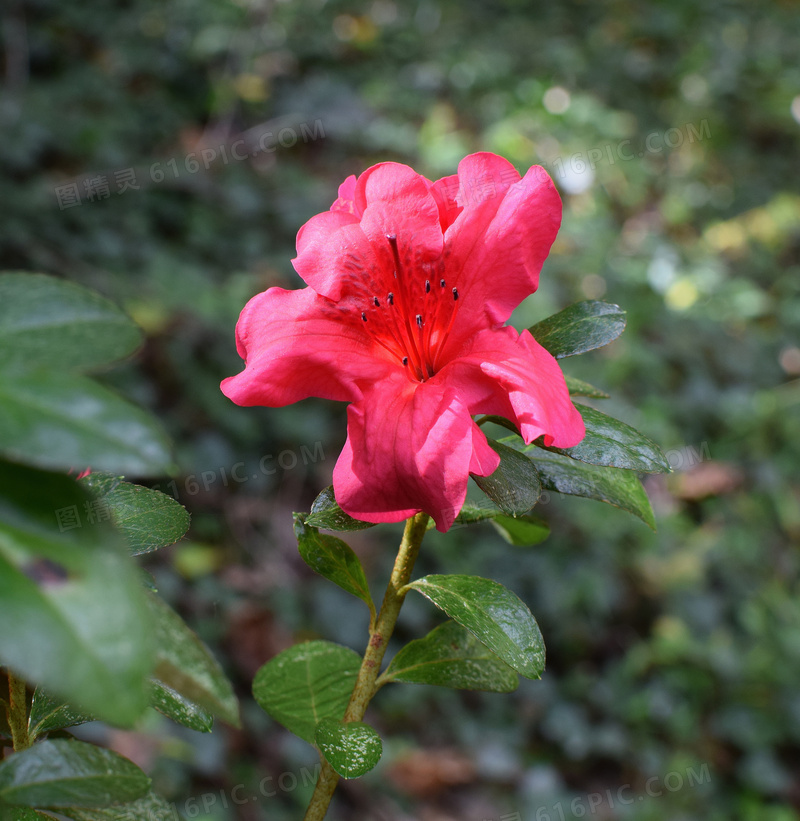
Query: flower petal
pixel 409 448
pixel 347 191
pixel 331 247
pixel 298 344
pixel 445 191
pixel 511 375
pixel 496 246
pixel 485 460
pixel 346 251
pixel 394 200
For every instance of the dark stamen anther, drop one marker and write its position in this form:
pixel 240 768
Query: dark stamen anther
pixel 390 297
pixel 419 320
pixel 455 293
pixel 376 301
pixel 364 316
pixel 405 361
pixel 427 286
pixel 442 283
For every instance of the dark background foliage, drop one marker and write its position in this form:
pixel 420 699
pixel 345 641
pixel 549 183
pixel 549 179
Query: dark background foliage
pixel 672 131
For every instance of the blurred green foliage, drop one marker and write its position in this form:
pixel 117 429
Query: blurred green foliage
pixel 672 131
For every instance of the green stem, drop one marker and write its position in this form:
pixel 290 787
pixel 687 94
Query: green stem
pixel 17 712
pixel 379 636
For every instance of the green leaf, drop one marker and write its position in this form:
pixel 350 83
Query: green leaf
pixel 611 443
pixel 326 514
pixel 48 321
pixel 499 420
pixel 72 609
pixel 493 614
pixel 49 714
pixel 186 665
pixel 620 488
pixel 150 807
pixel 579 328
pixel 577 387
pixel 333 559
pixel 23 814
pixel 514 487
pixel 147 518
pixel 352 749
pixel 522 532
pixel 180 709
pixel 306 683
pixel 472 513
pixel 64 773
pixel 60 421
pixel 450 656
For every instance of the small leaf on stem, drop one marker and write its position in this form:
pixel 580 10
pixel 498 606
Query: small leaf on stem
pixel 493 614
pixel 352 749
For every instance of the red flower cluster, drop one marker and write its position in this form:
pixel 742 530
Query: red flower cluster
pixel 409 286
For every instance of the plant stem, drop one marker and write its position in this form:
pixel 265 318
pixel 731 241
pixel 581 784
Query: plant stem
pixel 379 636
pixel 17 712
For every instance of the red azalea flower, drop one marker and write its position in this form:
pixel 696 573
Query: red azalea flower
pixel 409 286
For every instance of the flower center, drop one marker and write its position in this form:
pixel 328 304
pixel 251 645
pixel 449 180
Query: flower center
pixel 413 321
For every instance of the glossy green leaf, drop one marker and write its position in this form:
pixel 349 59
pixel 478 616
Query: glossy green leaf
pixel 579 328
pixel 477 512
pixel 186 665
pixel 180 709
pixel 352 749
pixel 331 558
pixel 523 531
pixel 49 714
pixel 327 515
pixel 60 421
pixel 306 683
pixel 68 590
pixel 52 322
pixel 493 614
pixel 611 443
pixel 450 656
pixel 514 487
pixel 150 807
pixel 66 773
pixel 577 387
pixel 147 518
pixel 620 488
